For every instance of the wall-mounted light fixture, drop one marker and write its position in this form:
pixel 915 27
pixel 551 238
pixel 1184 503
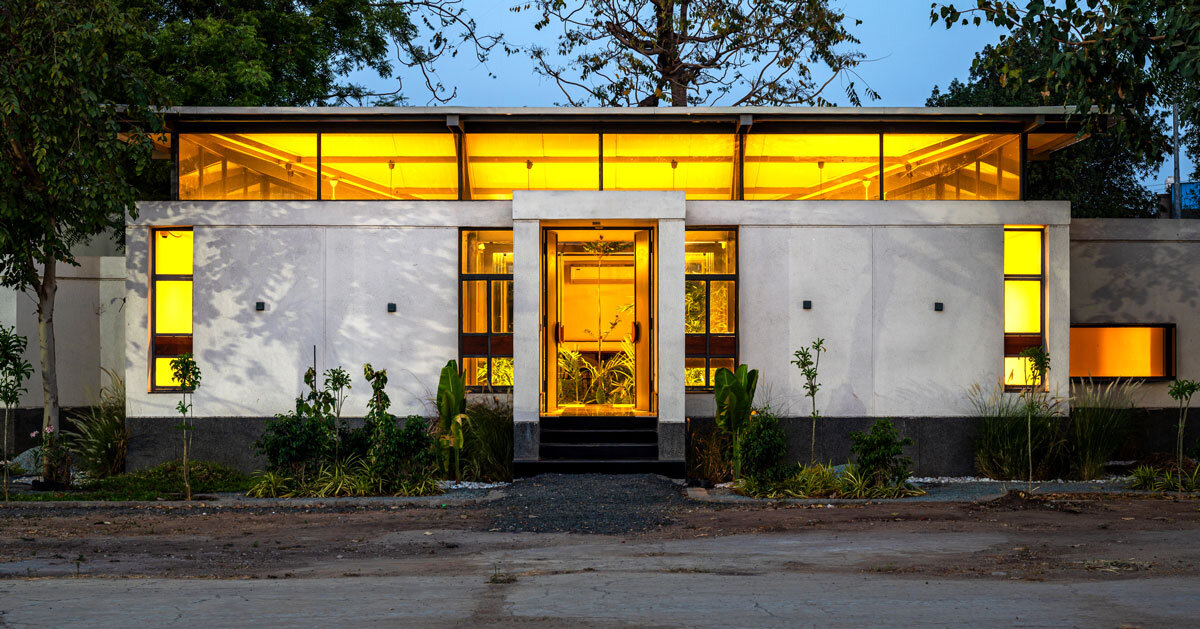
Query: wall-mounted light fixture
pixel 391 307
pixel 260 306
pixel 938 307
pixel 807 305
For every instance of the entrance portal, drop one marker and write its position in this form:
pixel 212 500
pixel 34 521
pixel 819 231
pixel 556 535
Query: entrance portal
pixel 598 338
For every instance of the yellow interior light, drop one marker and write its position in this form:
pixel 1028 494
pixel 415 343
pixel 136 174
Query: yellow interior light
pixel 1017 371
pixel 173 307
pixel 700 164
pixel 951 166
pixel 1022 307
pixel 811 166
pixel 1118 352
pixel 389 166
pixel 1022 252
pixel 498 163
pixel 265 166
pixel 172 251
pixel 164 376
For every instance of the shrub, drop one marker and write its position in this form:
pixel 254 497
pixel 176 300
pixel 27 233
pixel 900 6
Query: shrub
pixel 299 442
pixel 487 451
pixel 1101 418
pixel 823 481
pixel 709 455
pixel 1002 444
pixel 165 481
pixel 879 454
pixel 762 447
pixel 100 439
pixel 1151 478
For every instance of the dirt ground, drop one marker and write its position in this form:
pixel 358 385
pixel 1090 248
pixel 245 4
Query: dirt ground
pixel 1051 538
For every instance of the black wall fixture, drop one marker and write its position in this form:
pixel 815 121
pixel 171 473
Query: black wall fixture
pixel 807 305
pixel 260 306
pixel 391 307
pixel 937 306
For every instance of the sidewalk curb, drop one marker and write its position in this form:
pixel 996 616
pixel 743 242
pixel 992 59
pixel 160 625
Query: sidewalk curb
pixel 238 500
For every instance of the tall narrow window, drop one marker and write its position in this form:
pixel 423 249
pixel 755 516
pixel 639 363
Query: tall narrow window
pixel 486 308
pixel 1024 311
pixel 170 303
pixel 710 305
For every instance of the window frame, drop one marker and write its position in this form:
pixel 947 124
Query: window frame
pixel 489 279
pixel 155 277
pixel 1170 352
pixel 1041 280
pixel 707 335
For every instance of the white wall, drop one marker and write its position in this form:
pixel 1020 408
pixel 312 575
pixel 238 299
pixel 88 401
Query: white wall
pixel 1140 271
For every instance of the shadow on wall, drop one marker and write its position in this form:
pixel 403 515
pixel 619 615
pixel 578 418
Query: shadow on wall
pixel 325 287
pixel 1133 281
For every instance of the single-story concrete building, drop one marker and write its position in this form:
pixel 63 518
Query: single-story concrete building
pixel 599 265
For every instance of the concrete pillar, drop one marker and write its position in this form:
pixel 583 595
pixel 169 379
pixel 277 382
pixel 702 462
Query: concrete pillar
pixel 670 324
pixel 527 322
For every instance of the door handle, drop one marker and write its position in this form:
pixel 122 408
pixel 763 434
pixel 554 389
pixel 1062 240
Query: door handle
pixel 558 332
pixel 637 331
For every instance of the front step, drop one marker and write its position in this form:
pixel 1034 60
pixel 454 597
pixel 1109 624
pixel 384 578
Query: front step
pixel 599 436
pixel 598 451
pixel 670 469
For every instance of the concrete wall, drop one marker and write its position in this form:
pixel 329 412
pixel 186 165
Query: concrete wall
pixel 326 272
pixel 1140 271
pixel 873 272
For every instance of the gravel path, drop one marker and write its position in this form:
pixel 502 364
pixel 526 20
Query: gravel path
pixel 586 503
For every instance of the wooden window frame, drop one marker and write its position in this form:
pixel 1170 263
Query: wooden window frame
pixel 489 336
pixel 707 335
pixel 156 277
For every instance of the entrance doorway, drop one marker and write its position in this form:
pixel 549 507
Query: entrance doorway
pixel 598 333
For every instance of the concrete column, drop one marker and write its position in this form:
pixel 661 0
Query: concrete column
pixel 670 324
pixel 1058 307
pixel 527 322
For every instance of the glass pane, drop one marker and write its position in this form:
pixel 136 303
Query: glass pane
pixel 475 372
pixel 1022 252
pixel 1119 352
pixel 474 306
pixel 163 375
pixel 1022 307
pixel 717 363
pixel 722 306
pixel 173 307
pixel 710 251
pixel 699 163
pixel 487 251
pixel 173 251
pixel 811 166
pixel 946 166
pixel 219 166
pixel 1017 371
pixel 693 372
pixel 388 166
pixel 694 311
pixel 502 306
pixel 502 372
pixel 498 163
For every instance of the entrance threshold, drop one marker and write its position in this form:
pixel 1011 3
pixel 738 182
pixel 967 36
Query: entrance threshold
pixel 602 444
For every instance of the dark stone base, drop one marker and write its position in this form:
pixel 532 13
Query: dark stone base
pixel 225 440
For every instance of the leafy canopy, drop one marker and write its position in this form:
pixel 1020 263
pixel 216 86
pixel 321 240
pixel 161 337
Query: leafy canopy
pixel 65 157
pixel 696 52
pixel 1127 57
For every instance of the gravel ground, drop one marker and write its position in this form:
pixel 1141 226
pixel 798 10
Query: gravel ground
pixel 586 503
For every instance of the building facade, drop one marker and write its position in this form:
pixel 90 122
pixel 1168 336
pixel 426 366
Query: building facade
pixel 600 265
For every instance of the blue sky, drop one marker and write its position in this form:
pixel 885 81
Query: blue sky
pixel 909 57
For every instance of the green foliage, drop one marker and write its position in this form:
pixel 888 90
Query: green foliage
pixel 734 394
pixel 1130 58
pixel 396 453
pixel 100 439
pixel 297 443
pixel 14 371
pixel 452 406
pixel 626 53
pixel 710 455
pixel 1101 419
pixel 1162 479
pixel 347 478
pixel 187 374
pixel 1182 391
pixel 56 458
pixel 879 454
pixel 1004 444
pixel 808 360
pixel 823 481
pixel 762 448
pixel 162 482
pixel 1101 176
pixel 487 451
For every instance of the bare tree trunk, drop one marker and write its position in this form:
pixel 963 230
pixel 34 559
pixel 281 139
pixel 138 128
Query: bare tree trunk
pixel 46 292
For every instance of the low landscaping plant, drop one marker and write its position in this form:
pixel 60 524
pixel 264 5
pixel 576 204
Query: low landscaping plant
pixel 1163 479
pixel 733 392
pixel 14 371
pixel 808 361
pixel 187 374
pixel 709 455
pixel 1003 444
pixel 487 451
pixel 763 447
pixel 300 441
pixel 162 482
pixel 452 410
pixel 100 439
pixel 879 455
pixel 1101 420
pixel 825 481
pixel 1182 391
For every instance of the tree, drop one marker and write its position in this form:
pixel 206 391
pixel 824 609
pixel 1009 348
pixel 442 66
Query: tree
pixel 693 52
pixel 1101 176
pixel 256 53
pixel 1130 58
pixel 66 156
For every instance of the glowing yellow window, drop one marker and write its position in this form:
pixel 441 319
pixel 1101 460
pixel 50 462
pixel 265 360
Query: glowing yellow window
pixel 1122 352
pixel 173 252
pixel 811 166
pixel 173 307
pixel 388 166
pixel 498 163
pixel 1022 307
pixel 265 166
pixel 701 164
pixel 1017 372
pixel 163 374
pixel 1022 252
pixel 951 166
